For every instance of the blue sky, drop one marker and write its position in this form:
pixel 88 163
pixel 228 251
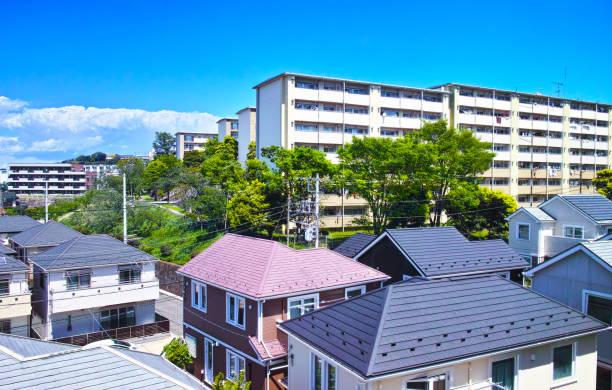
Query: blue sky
pixel 84 76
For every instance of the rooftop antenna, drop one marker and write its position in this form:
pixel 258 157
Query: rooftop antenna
pixel 561 85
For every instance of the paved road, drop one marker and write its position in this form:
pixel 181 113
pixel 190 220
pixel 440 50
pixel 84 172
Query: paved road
pixel 171 307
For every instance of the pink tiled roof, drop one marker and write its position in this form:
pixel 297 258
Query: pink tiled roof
pixel 270 349
pixel 263 268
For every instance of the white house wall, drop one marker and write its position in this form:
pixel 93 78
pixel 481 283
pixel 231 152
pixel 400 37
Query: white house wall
pixel 17 303
pixel 269 117
pixel 566 215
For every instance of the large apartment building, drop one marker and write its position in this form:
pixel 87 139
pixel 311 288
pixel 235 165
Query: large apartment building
pixel 247 119
pixel 227 127
pixel 32 178
pixel 544 145
pixel 191 141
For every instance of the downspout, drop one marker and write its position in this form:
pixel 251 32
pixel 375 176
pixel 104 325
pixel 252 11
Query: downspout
pixel 268 375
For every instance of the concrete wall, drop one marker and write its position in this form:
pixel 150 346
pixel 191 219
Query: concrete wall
pixel 269 115
pixel 169 281
pixel 534 369
pixel 247 133
pixel 17 303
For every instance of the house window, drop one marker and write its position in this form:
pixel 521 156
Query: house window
pixel 354 291
pixel 234 126
pixel 235 310
pixel 209 346
pixel 563 362
pixel 192 345
pixel 235 365
pixel 5 326
pixel 129 274
pixel 69 323
pixel 323 375
pixel 502 373
pixel 302 305
pixel 5 284
pixel 78 279
pixel 198 295
pixel 117 318
pixel 522 232
pixel 600 307
pixel 573 232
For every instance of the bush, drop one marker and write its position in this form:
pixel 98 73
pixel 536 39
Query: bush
pixel 221 383
pixel 166 250
pixel 177 353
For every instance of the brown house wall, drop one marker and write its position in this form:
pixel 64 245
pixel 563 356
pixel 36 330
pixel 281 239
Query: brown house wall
pixel 385 257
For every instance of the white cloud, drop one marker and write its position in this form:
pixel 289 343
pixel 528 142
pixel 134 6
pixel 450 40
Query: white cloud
pixel 7 104
pixel 10 145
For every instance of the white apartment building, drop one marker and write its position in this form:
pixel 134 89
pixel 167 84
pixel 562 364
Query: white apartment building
pixel 31 179
pixel 247 121
pixel 227 127
pixel 191 141
pixel 15 296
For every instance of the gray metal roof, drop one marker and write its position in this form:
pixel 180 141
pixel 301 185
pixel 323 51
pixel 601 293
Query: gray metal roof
pixel 411 325
pixel 354 244
pixel 56 366
pixel 16 223
pixel 11 264
pixel 90 251
pixel 5 250
pixel 443 251
pixel 47 234
pixel 539 214
pixel 595 206
pixel 601 249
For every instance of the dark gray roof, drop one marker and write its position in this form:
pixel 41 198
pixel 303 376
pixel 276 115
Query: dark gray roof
pixel 410 325
pixel 354 244
pixel 596 206
pixel 5 250
pixel 90 251
pixel 47 234
pixel 601 249
pixel 16 223
pixel 57 366
pixel 11 264
pixel 443 251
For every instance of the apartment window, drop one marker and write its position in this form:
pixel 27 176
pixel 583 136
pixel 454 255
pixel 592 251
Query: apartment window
pixel 330 149
pixel 432 98
pixel 78 279
pixel 563 362
pixel 329 128
pixel 129 274
pixel 209 347
pixel 430 116
pixel 355 130
pixel 5 326
pixel 302 305
pixel 500 181
pixel 306 84
pixel 305 127
pixel 189 138
pixel 522 232
pixel 412 95
pixel 600 307
pixel 573 231
pixel 118 318
pixel 387 112
pixel 389 133
pixel 5 282
pixel 500 147
pixel 235 364
pixel 323 374
pixel 351 292
pixel 356 110
pixel 330 87
pixel 501 164
pixel 198 295
pixel 234 126
pixel 235 310
pixel 387 93
pixel 357 90
pixel 352 211
pixel 306 106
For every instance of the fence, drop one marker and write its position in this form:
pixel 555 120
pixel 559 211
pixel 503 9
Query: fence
pixel 161 325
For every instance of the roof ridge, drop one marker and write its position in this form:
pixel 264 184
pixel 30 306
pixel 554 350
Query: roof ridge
pixel 379 328
pixel 271 257
pixel 69 246
pixel 43 228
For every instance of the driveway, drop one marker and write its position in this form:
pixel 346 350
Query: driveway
pixel 171 307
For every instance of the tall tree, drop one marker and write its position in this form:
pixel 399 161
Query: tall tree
pixel 603 182
pixel 247 208
pixel 164 143
pixel 134 169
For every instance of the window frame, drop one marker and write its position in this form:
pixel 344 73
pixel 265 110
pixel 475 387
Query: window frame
pixel 585 298
pixel 518 231
pixel 581 227
pixel 499 358
pixel 302 298
pixel 235 322
pixel 78 274
pixel 568 379
pixel 196 284
pixel 361 288
pixel 238 359
pixel 209 346
pixel 6 278
pixel 325 364
pixel 131 269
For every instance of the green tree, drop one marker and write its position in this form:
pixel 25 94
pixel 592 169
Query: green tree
pixel 479 212
pixel 247 207
pixel 177 353
pixel 134 169
pixel 98 157
pixel 603 182
pixel 221 383
pixel 252 153
pixel 457 157
pixel 193 158
pixel 164 143
pixel 163 174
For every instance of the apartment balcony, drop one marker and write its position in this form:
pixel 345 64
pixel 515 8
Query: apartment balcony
pixel 503 156
pixel 469 101
pixel 505 189
pixel 555 142
pixel 391 102
pixel 15 305
pixel 80 299
pixel 391 121
pixel 524 173
pixel 306 94
pixel 485 120
pixel 306 115
pixel 588 159
pixel 587 175
pixel 332 200
pixel 540 125
pixel 482 102
pixel 537 141
pixel 310 137
pixel 575 113
pixel 525 123
pixel 329 116
pixel 486 137
pixel 326 95
pixel 555 158
pixel 555 126
pixel 602 116
pixel 433 106
pixel 410 123
pixel 333 138
pixel 466 119
pixel 334 221
pixel 502 139
pixel 526 190
pixel 601 160
pixel 599 130
pixel 332 157
pixel 502 105
pixel 555 190
pixel 410 104
pixel 496 172
pixel 357 119
pixel 588 114
pixel 356 99
pixel 556 111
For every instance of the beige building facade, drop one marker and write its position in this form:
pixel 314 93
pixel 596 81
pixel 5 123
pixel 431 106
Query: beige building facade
pixel 191 141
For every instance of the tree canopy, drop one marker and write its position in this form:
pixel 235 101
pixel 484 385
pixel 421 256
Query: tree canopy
pixel 603 182
pixel 164 143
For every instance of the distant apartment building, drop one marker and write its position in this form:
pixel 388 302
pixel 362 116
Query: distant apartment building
pixel 227 127
pixel 191 141
pixel 247 120
pixel 31 179
pixel 544 145
pixel 94 172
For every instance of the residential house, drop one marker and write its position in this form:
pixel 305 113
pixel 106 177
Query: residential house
pixel 451 333
pixel 581 277
pixel 92 283
pixel 40 238
pixel 354 244
pixel 238 289
pixel 15 296
pixel 438 253
pixel 34 364
pixel 539 233
pixel 13 224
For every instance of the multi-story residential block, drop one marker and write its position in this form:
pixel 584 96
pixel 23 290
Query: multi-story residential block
pixel 238 289
pixel 92 283
pixel 14 224
pixel 539 233
pixel 581 277
pixel 247 121
pixel 191 141
pixel 459 333
pixel 15 296
pixel 544 145
pixel 40 238
pixel 59 179
pixel 228 127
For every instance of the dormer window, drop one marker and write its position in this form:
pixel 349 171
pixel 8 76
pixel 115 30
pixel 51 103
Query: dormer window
pixel 129 273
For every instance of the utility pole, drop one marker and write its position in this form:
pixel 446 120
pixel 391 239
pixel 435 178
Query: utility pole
pixel 342 197
pixel 46 201
pixel 124 213
pixel 288 214
pixel 317 211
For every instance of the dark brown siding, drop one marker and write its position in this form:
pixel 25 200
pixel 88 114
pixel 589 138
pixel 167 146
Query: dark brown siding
pixel 273 310
pixel 385 257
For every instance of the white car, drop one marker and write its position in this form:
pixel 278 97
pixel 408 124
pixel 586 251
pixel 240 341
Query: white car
pixel 111 343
